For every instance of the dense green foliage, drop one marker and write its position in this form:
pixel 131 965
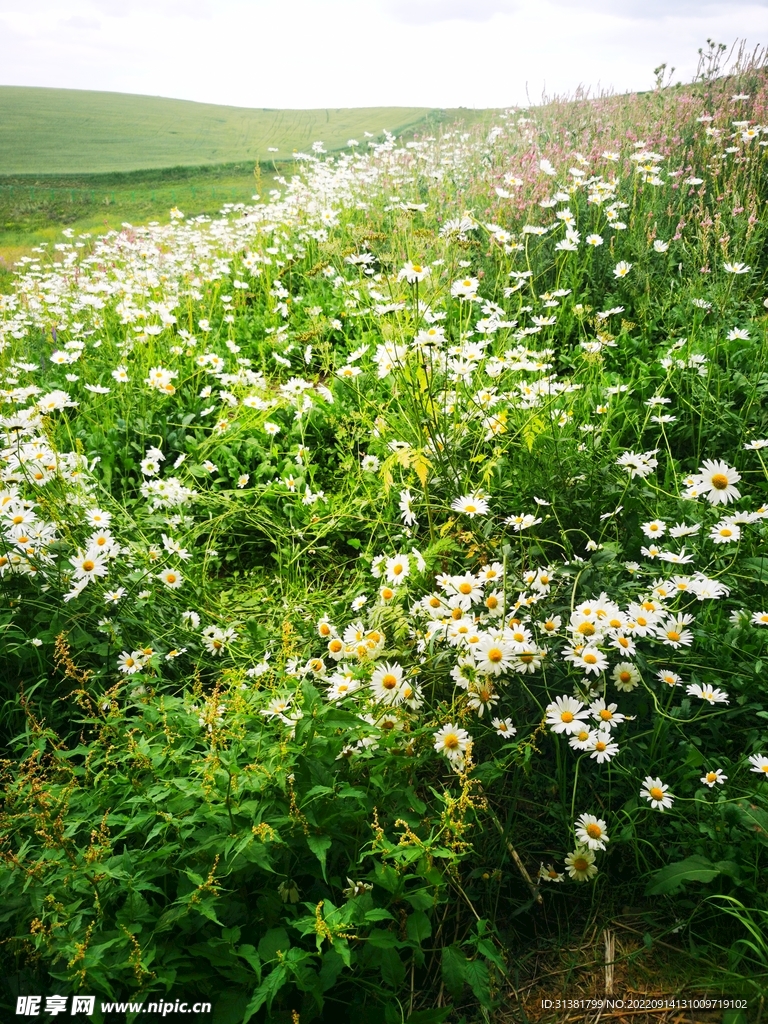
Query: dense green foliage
pixel 383 571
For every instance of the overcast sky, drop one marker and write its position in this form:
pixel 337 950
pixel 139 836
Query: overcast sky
pixel 344 53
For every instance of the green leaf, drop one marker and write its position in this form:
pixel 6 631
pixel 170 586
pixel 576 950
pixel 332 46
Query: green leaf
pixel 378 914
pixel 734 1017
pixel 266 992
pixel 436 1016
pixel 454 970
pixel 755 819
pixel 476 974
pixel 320 845
pixel 276 938
pixel 759 567
pixel 382 939
pixel 392 968
pixel 671 878
pixel 418 926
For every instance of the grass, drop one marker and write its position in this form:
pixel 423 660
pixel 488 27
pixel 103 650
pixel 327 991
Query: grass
pixel 383 594
pixel 91 161
pixel 70 131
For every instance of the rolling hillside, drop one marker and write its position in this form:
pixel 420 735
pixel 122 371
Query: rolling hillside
pixel 68 131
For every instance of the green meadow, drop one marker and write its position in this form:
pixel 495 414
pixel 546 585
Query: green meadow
pixel 383 576
pixel 72 131
pixel 91 161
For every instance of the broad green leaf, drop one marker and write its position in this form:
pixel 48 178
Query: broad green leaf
pixel 392 968
pixel 320 845
pixel 671 878
pixel 276 938
pixel 454 970
pixel 476 974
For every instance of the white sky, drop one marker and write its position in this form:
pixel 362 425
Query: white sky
pixel 353 53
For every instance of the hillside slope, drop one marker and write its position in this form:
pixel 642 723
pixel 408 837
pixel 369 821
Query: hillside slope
pixel 69 131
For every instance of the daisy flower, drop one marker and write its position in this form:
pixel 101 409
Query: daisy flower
pixel 656 793
pixel 669 677
pixel 591 660
pixel 471 505
pixel 655 528
pixel 452 741
pixel 413 272
pixel 566 714
pixel 709 693
pixel 172 578
pixel 493 656
pixel 716 480
pixel 714 778
pixel 725 532
pixel 406 507
pixel 386 684
pixel 130 663
pixel 601 746
pixel 605 714
pixel 581 864
pixel 759 764
pixel 622 268
pixel 582 739
pixel 548 874
pixel 522 522
pixel 504 727
pixel 759 619
pixel 591 832
pixel 397 568
pixel 672 631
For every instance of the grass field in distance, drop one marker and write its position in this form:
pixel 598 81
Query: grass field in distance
pixel 72 131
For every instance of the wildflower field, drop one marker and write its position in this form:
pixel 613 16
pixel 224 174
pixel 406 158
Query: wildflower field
pixel 383 576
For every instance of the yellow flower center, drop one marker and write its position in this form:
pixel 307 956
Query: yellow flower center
pixel 88 565
pixel 719 481
pixel 591 659
pixel 711 777
pixel 335 646
pixel 625 676
pixel 586 629
pixel 606 715
pixel 580 863
pixel 465 588
pixel 593 831
pixel 495 655
pixel 656 792
pixel 451 741
pixel 170 578
pixel 470 508
pixel 416 267
pixel 389 682
pixel 566 716
pixel 673 635
pixel 601 746
pixel 492 602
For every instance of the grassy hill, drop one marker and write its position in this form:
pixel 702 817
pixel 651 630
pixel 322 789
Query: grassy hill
pixel 92 160
pixel 70 131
